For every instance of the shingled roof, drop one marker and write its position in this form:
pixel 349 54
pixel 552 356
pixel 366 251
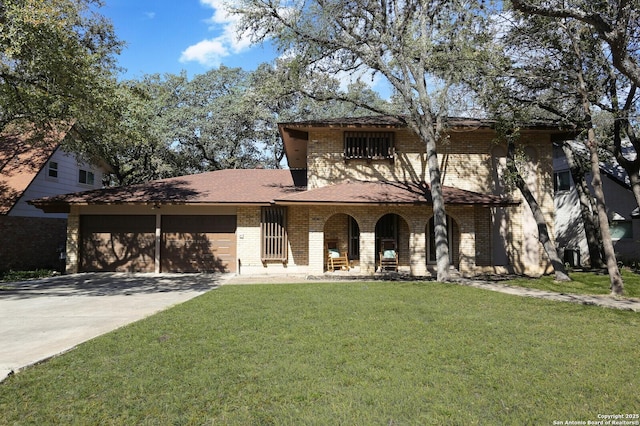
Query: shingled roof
pixel 232 186
pixel 259 187
pixel 20 162
pixel 364 192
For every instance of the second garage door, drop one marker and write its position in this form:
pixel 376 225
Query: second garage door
pixel 196 243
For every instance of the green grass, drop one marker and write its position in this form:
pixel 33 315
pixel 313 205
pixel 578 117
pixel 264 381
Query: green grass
pixel 582 283
pixel 402 353
pixel 8 276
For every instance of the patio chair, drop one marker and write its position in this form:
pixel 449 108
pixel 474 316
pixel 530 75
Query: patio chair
pixel 335 258
pixel 388 256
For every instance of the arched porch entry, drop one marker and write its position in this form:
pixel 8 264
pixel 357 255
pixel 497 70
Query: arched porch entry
pixel 392 226
pixel 453 235
pixel 343 231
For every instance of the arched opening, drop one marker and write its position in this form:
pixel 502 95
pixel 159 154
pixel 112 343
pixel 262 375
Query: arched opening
pixel 453 236
pixel 343 232
pixel 392 227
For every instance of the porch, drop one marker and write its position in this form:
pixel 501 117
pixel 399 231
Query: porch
pixel 359 230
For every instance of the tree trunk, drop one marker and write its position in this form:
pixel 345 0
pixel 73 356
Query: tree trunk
pixel 428 134
pixel 587 209
pixel 617 286
pixel 543 230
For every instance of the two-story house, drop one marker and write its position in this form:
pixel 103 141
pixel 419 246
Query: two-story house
pixel 353 183
pixel 622 208
pixel 30 238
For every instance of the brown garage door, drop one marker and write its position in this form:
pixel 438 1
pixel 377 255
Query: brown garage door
pixel 198 243
pixel 117 243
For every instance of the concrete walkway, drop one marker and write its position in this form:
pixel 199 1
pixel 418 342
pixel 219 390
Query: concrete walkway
pixel 43 318
pixel 604 301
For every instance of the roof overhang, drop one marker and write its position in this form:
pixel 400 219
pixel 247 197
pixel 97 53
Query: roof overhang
pixel 389 193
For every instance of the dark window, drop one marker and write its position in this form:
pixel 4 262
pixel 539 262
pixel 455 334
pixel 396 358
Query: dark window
pixel 86 177
pixel 53 169
pixel 354 239
pixel 273 226
pixel 368 145
pixel 562 181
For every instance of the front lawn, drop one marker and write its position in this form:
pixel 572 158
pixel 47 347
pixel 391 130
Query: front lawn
pixel 388 353
pixel 582 283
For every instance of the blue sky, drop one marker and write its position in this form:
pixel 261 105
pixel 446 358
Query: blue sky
pixel 167 36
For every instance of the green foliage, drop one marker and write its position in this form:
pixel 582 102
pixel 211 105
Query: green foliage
pixel 420 48
pixel 56 58
pixel 162 126
pixel 8 276
pixel 347 353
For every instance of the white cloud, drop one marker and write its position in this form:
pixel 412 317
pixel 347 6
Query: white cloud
pixel 206 52
pixel 150 15
pixel 210 52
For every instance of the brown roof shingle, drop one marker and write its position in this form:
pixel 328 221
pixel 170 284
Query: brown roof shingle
pixel 20 162
pixel 261 186
pixel 363 192
pixel 233 186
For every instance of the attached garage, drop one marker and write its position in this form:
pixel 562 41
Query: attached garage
pixel 194 243
pixel 117 243
pixel 127 243
pixel 205 222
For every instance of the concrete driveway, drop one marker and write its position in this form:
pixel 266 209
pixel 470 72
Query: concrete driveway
pixel 43 318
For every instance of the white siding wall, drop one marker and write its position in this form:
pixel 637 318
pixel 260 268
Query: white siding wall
pixel 570 232
pixel 66 182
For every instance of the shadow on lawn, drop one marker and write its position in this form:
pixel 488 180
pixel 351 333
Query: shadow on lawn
pixel 108 284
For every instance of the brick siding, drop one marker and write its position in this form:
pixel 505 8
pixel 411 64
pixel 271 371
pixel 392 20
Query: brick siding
pixel 28 243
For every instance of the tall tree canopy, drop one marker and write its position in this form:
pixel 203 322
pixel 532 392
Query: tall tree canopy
pixel 56 61
pixel 556 68
pixel 170 125
pixel 420 48
pixel 616 22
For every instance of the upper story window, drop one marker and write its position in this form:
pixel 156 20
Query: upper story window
pixel 86 177
pixel 369 145
pixel 53 169
pixel 562 181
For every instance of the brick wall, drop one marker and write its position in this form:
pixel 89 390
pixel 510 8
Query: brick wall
pixel 28 243
pixel 464 157
pixel 466 163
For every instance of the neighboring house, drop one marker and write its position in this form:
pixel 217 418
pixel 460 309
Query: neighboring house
pixel 622 210
pixel 351 183
pixel 29 238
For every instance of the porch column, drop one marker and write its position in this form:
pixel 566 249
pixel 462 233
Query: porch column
pixel 158 243
pixel 316 243
pixel 468 242
pixel 73 241
pixel 367 252
pixel 418 251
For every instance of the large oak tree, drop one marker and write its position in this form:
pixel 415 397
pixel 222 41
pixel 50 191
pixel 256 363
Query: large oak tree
pixel 56 61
